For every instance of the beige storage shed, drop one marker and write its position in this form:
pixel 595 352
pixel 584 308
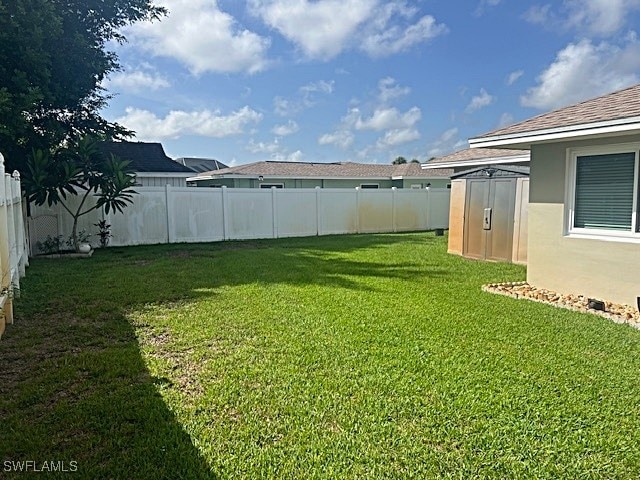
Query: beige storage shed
pixel 488 214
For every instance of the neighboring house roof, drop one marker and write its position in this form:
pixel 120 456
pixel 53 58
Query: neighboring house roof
pixel 278 169
pixel 470 157
pixel 614 113
pixel 200 165
pixel 144 157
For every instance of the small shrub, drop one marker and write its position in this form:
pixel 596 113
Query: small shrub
pixel 50 244
pixel 83 237
pixel 104 233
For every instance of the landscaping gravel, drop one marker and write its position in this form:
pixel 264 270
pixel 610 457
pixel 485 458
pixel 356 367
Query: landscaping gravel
pixel 619 313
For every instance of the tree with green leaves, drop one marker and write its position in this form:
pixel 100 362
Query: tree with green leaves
pixel 399 161
pixel 53 59
pixel 79 170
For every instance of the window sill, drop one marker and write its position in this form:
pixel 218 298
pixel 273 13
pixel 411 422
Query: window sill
pixel 601 237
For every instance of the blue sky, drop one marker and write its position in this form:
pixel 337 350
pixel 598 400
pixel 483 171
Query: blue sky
pixel 361 80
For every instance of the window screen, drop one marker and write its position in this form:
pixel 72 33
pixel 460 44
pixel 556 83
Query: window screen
pixel 604 191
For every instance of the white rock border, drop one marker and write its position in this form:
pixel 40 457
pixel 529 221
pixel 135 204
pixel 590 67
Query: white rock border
pixel 619 313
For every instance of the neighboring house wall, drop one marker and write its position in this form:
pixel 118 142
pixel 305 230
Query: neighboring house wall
pixel 160 181
pixel 605 269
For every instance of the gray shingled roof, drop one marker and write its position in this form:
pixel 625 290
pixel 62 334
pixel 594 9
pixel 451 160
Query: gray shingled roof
pixel 472 154
pixel 144 157
pixel 328 170
pixel 613 106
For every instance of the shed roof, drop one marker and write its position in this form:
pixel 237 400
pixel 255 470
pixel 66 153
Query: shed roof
pixel 477 156
pixel 144 157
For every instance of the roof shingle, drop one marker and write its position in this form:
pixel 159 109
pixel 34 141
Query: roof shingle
pixel 144 157
pixel 328 170
pixel 613 106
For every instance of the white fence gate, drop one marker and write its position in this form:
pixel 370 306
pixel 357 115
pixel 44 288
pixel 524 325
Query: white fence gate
pixel 13 245
pixel 189 214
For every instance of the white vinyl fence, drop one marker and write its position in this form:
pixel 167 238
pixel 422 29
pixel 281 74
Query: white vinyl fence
pixel 172 215
pixel 13 251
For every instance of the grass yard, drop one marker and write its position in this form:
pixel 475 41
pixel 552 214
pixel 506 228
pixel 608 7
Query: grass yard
pixel 373 356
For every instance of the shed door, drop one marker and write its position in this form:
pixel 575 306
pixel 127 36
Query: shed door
pixel 489 209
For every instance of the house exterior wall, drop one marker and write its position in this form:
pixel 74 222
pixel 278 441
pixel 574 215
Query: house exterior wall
pixel 161 181
pixel 596 268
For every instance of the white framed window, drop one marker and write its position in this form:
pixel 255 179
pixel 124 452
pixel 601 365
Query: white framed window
pixel 416 186
pixel 602 192
pixel 369 185
pixel 272 185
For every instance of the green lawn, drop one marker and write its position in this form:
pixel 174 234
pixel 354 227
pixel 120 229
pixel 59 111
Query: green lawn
pixel 373 356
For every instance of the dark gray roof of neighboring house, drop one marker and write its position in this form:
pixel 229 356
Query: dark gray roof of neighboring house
pixel 144 157
pixel 474 155
pixel 327 170
pixel 200 165
pixel 613 106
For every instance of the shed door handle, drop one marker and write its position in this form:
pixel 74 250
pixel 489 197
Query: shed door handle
pixel 486 224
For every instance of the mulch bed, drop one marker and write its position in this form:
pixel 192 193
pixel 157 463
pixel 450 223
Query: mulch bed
pixel 617 312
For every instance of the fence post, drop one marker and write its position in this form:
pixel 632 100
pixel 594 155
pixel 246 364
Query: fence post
pixel 427 189
pixel 5 264
pixel 225 214
pixel 394 192
pixel 21 237
pixel 317 210
pixel 274 211
pixel 357 209
pixel 169 211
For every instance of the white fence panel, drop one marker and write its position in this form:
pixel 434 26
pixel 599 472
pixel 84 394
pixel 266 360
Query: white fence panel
pixel 177 214
pixel 143 222
pixel 197 214
pixel 296 212
pixel 438 207
pixel 13 244
pixel 375 210
pixel 249 213
pixel 338 211
pixel 411 210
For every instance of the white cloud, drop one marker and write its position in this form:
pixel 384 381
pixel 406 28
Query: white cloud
pixel 485 4
pixel 306 98
pixel 480 101
pixel 136 81
pixel 340 138
pixel 583 70
pixel 505 119
pixel 390 90
pixel 262 147
pixel 397 137
pixel 514 76
pixel 202 37
pixel 322 29
pixel 591 17
pixel 177 123
pixel 296 156
pixel 389 118
pixel 538 14
pixel 446 143
pixel 395 38
pixel 288 128
pixel 602 17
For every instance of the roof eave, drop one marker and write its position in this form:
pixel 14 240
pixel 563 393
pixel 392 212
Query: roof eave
pixel 525 157
pixel 524 140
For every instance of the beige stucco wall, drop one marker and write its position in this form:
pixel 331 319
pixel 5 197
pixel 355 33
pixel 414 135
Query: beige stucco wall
pixel 456 216
pixel 602 269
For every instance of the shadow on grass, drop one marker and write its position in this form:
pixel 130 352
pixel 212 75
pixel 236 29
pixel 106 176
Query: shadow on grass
pixel 76 389
pixel 74 386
